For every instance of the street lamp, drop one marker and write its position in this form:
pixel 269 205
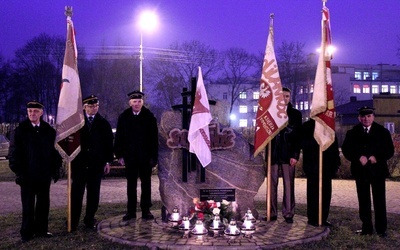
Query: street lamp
pixel 147 22
pixel 329 50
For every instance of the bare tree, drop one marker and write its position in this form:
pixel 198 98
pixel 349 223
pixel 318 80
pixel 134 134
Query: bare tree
pixel 398 49
pixel 341 94
pixel 39 65
pixel 171 70
pixel 6 90
pixel 110 78
pixel 238 71
pixel 294 68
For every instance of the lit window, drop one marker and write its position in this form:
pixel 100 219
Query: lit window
pixel 243 95
pixel 255 109
pixel 357 75
pixel 225 96
pixel 311 88
pixel 356 88
pixel 375 75
pixel 385 88
pixel 301 106
pixel 365 75
pixel 301 90
pixel 243 123
pixel 242 109
pixel 254 122
pixel 389 126
pixel 305 105
pixel 256 95
pixel 375 89
pixel 366 88
pixel 393 89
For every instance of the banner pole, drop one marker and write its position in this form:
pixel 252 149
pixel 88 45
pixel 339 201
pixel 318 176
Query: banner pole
pixel 269 182
pixel 69 197
pixel 320 188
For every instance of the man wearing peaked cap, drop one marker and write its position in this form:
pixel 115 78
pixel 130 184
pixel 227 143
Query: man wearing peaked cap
pixel 91 163
pixel 135 95
pixel 136 147
pixel 34 104
pixel 365 110
pixel 35 161
pixel 368 146
pixel 92 99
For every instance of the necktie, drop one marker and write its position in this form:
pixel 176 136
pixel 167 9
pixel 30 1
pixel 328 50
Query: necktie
pixel 366 130
pixel 37 129
pixel 90 119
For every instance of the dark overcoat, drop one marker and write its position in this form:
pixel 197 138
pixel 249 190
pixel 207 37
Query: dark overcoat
pixel 286 144
pixel 378 143
pixel 136 138
pixel 32 155
pixel 96 145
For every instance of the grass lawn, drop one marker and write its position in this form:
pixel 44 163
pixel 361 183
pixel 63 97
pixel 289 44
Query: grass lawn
pixel 342 235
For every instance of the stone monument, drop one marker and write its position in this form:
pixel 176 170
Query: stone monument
pixel 233 167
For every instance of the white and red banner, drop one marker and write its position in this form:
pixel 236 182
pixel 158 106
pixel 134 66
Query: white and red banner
pixel 271 113
pixel 323 108
pixel 199 133
pixel 69 113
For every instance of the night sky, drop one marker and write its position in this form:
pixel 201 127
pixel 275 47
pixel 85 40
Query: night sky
pixel 362 31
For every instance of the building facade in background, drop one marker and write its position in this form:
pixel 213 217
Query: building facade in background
pixel 355 85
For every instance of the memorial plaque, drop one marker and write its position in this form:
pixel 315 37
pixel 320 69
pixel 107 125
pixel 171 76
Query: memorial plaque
pixel 217 194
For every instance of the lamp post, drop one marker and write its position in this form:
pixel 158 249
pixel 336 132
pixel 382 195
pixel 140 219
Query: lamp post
pixel 147 22
pixel 141 62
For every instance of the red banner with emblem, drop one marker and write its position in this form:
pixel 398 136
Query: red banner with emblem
pixel 271 112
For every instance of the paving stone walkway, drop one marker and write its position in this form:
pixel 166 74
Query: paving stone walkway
pixel 159 235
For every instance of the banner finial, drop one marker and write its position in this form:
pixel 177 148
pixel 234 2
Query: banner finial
pixel 271 20
pixel 68 11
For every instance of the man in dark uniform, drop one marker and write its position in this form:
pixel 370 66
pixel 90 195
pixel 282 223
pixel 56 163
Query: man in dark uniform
pixel 91 163
pixel 285 152
pixel 34 160
pixel 136 147
pixel 331 163
pixel 368 146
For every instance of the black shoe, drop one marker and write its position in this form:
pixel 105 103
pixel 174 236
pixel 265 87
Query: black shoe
pixel 273 218
pixel 129 216
pixel 361 232
pixel 91 224
pixel 382 235
pixel 44 235
pixel 314 224
pixel 25 239
pixel 327 224
pixel 289 220
pixel 147 216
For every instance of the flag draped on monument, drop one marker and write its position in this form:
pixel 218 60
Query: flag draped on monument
pixel 323 108
pixel 199 133
pixel 69 113
pixel 271 112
